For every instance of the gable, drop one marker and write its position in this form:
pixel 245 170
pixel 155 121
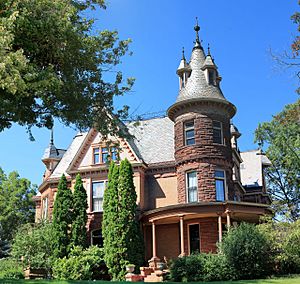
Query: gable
pixel 84 158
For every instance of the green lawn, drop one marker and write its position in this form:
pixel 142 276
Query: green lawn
pixel 283 280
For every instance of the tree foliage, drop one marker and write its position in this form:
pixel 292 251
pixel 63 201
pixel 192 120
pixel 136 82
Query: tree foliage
pixel 282 138
pixel 121 232
pixel 16 205
pixel 53 60
pixel 32 245
pixel 62 219
pixel 80 205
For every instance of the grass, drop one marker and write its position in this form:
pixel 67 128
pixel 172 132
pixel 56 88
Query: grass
pixel 283 280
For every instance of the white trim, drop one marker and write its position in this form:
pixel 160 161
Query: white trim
pixel 188 234
pixel 92 196
pixel 189 128
pixel 186 185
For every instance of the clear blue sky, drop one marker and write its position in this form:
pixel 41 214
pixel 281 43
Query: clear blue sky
pixel 240 34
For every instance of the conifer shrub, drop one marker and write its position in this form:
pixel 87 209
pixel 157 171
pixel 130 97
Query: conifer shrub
pixel 247 252
pixel 81 264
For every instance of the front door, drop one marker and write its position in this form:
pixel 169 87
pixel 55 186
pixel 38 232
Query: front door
pixel 194 238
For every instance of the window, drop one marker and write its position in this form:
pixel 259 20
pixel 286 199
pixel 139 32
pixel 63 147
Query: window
pixel 211 77
pixel 114 153
pixel 192 191
pixel 220 185
pixel 189 133
pixel 104 155
pixel 96 156
pixel 45 208
pixel 217 132
pixel 194 238
pixel 96 238
pixel 98 192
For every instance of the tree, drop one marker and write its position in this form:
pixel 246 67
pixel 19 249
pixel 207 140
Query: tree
pixel 32 245
pixel 123 242
pixel 282 137
pixel 133 240
pixel 53 61
pixel 16 204
pixel 62 219
pixel 80 206
pixel 111 229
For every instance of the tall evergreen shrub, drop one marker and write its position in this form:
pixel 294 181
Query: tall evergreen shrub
pixel 80 205
pixel 62 219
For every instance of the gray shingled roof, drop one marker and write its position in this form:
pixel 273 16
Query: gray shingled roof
pixel 197 86
pixel 154 139
pixel 51 152
pixel 68 156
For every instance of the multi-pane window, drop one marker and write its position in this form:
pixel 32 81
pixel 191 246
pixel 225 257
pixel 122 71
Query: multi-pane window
pixel 220 185
pixel 114 153
pixel 192 189
pixel 189 133
pixel 217 132
pixel 104 154
pixel 45 208
pixel 98 192
pixel 101 155
pixel 96 155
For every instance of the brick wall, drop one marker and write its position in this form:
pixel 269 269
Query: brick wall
pixel 204 156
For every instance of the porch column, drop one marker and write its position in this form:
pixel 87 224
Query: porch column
pixel 153 240
pixel 228 218
pixel 220 227
pixel 182 253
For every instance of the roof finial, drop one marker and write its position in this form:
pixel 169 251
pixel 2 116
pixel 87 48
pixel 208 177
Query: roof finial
pixel 208 49
pixel 51 137
pixel 183 57
pixel 197 29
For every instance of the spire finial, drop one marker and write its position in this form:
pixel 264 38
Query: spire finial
pixel 183 57
pixel 51 137
pixel 208 49
pixel 197 29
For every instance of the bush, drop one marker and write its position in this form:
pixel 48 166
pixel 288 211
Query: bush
pixel 81 264
pixel 247 252
pixel 188 268
pixel 216 268
pixel 10 269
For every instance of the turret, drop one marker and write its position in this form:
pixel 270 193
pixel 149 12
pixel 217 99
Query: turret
pixel 51 157
pixel 201 116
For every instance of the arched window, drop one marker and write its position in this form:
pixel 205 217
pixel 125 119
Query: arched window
pixel 96 238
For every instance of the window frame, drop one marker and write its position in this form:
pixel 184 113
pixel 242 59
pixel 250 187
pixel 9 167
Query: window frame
pixel 92 243
pixel 218 129
pixel 92 195
pixel 186 129
pixel 101 154
pixel 45 201
pixel 187 186
pixel 189 242
pixel 224 183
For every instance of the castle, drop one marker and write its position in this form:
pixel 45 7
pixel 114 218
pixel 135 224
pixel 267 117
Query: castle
pixel 191 180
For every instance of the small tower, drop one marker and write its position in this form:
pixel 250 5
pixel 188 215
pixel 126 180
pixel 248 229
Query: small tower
pixel 51 157
pixel 201 116
pixel 183 71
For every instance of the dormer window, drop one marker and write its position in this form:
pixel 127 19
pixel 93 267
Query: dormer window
pixel 189 133
pixel 211 77
pixel 217 132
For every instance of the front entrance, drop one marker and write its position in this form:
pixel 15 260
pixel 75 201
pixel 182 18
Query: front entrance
pixel 194 238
